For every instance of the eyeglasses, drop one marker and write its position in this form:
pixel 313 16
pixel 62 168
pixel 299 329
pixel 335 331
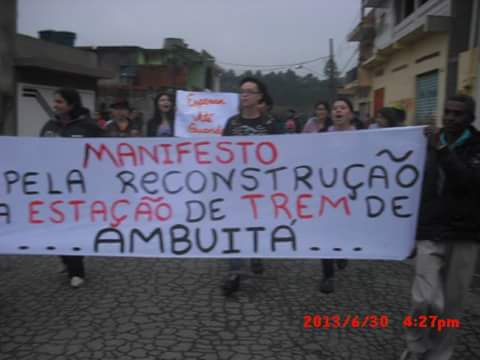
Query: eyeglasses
pixel 249 92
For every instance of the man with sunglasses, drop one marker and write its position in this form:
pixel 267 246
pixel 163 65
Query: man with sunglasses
pixel 250 121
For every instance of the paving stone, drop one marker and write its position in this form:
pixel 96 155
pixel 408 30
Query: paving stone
pixel 171 356
pixel 52 349
pixel 133 308
pixel 96 345
pixel 138 353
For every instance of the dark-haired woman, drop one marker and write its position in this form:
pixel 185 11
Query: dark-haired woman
pixel 388 117
pixel 343 119
pixel 162 122
pixel 71 120
pixel 343 116
pixel 321 121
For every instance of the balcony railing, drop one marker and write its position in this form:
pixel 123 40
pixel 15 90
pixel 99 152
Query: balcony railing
pixel 365 30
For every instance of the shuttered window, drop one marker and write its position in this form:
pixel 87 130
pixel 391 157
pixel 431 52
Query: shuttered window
pixel 426 97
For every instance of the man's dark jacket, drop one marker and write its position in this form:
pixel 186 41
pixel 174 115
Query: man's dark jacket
pixel 450 203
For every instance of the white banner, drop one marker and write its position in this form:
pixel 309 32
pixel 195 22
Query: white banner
pixel 202 114
pixel 331 195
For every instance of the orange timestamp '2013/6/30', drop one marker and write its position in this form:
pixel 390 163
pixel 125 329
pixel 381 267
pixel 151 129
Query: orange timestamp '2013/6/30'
pixel 371 321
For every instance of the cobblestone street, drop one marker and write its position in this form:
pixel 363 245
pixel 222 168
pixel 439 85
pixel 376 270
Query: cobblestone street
pixel 173 309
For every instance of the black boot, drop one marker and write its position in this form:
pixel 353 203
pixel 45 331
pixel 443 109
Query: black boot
pixel 257 266
pixel 342 264
pixel 231 284
pixel 327 285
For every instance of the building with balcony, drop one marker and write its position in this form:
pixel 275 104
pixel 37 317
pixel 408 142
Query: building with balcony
pixel 468 79
pixel 408 62
pixel 358 80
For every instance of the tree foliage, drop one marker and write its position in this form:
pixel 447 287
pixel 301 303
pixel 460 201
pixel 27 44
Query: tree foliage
pixel 331 67
pixel 288 90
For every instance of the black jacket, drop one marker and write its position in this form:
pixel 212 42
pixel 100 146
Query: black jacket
pixel 81 126
pixel 239 126
pixel 450 203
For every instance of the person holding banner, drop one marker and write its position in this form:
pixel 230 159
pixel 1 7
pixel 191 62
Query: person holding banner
pixel 265 106
pixel 343 116
pixel 448 231
pixel 250 121
pixel 342 120
pixel 162 122
pixel 71 120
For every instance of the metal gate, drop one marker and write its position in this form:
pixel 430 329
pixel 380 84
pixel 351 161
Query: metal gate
pixel 426 99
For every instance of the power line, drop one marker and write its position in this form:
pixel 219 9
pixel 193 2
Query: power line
pixel 267 67
pixel 349 60
pixel 356 20
pixel 276 66
pixel 311 71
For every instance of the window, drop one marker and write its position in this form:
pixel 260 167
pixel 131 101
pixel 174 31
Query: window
pixel 409 7
pixel 426 97
pixel 398 12
pixel 404 8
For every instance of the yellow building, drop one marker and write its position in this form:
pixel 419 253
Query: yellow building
pixel 468 80
pixel 409 55
pixel 410 75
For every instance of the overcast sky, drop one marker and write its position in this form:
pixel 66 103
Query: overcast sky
pixel 257 32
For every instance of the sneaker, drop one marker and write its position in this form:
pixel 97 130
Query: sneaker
pixel 76 281
pixel 257 266
pixel 342 264
pixel 327 286
pixel 231 284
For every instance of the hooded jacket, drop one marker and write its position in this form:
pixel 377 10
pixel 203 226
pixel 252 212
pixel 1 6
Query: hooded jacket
pixel 450 202
pixel 79 127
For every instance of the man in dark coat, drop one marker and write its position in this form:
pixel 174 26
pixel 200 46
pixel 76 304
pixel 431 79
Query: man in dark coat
pixel 448 232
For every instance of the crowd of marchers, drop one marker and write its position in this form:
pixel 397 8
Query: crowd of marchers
pixel 448 231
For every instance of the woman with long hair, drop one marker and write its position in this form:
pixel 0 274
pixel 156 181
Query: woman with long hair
pixel 321 121
pixel 343 119
pixel 162 122
pixel 343 116
pixel 71 120
pixel 388 117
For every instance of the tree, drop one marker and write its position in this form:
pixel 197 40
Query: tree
pixel 331 67
pixel 332 74
pixel 288 90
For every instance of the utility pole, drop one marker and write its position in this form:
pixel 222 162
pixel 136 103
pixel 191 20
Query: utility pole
pixel 8 30
pixel 332 80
